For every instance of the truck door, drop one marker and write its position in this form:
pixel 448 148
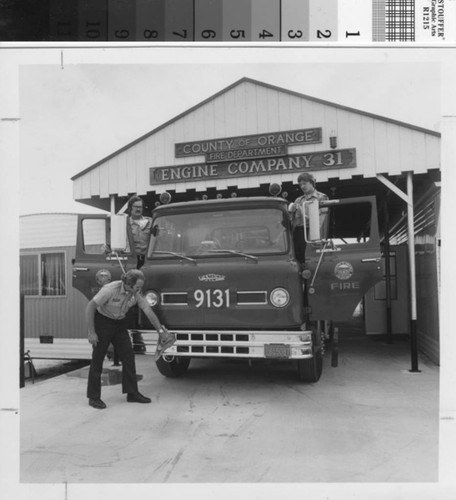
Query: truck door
pixel 347 262
pixel 94 265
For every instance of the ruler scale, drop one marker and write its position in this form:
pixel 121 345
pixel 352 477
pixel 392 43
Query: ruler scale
pixel 347 21
pixel 150 21
pixel 295 20
pixel 208 20
pixel 179 21
pixel 266 20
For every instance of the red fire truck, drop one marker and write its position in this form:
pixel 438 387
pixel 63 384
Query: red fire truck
pixel 223 275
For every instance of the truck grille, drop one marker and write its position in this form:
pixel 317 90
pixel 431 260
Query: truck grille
pixel 228 343
pixel 207 338
pixel 200 349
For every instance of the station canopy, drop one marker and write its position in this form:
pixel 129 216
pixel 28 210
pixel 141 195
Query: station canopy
pixel 252 134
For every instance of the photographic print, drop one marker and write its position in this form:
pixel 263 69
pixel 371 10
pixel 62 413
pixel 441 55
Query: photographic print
pixel 250 240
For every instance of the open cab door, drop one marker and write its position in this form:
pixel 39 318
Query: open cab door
pixel 103 252
pixel 343 256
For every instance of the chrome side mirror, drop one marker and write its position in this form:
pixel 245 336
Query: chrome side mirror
pixel 311 209
pixel 119 237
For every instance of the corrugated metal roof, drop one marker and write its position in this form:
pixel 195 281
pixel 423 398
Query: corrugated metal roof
pixel 47 230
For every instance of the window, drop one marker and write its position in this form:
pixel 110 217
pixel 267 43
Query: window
pixel 29 276
pixel 254 231
pixel 94 236
pixel 53 274
pixel 348 224
pixel 380 288
pixel 43 274
pixel 95 239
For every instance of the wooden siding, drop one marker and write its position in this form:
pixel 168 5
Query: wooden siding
pixel 428 304
pixel 427 260
pixel 382 145
pixel 427 223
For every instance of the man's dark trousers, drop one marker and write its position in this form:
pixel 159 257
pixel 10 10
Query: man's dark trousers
pixel 111 331
pixel 299 243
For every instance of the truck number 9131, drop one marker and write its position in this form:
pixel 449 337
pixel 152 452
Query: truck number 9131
pixel 212 298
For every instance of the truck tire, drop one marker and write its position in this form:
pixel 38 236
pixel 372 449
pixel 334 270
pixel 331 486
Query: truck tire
pixel 309 370
pixel 172 366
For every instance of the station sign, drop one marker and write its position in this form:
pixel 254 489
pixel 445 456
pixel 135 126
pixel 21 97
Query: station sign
pixel 246 154
pixel 211 148
pixel 298 163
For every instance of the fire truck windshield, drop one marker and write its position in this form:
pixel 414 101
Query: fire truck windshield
pixel 254 231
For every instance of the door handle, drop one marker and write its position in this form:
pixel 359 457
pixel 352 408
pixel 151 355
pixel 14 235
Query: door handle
pixel 80 268
pixel 373 259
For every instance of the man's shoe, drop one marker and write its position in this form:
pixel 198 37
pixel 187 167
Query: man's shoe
pixel 137 397
pixel 97 403
pixel 164 344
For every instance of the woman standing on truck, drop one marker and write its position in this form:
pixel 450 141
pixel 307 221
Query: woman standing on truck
pixel 307 184
pixel 140 227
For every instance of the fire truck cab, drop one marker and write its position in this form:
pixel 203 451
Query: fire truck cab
pixel 223 275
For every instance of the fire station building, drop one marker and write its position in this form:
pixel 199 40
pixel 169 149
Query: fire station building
pixel 251 135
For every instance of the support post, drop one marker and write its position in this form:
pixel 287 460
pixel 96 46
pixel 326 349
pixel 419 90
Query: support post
pixel 21 342
pixel 412 267
pixel 335 348
pixel 389 327
pixel 408 198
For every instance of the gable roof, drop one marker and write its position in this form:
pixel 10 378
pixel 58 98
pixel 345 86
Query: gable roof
pixel 261 84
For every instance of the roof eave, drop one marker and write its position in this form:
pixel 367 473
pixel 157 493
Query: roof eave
pixel 268 86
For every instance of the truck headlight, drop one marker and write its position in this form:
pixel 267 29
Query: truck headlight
pixel 279 297
pixel 152 298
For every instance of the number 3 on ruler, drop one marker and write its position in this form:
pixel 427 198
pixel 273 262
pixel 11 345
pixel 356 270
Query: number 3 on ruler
pixel 293 34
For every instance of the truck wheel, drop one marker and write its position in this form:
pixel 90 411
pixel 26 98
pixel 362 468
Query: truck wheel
pixel 172 366
pixel 309 370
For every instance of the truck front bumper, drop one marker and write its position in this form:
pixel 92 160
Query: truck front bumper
pixel 277 344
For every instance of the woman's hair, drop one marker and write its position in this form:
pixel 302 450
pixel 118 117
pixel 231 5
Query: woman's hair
pixel 132 200
pixel 132 276
pixel 307 177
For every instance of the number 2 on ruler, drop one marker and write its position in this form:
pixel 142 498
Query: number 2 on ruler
pixel 326 34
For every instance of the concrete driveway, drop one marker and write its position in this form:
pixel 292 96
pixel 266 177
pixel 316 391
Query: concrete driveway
pixel 368 420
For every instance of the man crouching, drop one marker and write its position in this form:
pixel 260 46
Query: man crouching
pixel 105 315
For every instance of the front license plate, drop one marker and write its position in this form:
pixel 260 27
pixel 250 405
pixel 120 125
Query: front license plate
pixel 277 351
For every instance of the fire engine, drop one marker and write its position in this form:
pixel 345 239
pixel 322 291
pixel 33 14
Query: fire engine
pixel 223 275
